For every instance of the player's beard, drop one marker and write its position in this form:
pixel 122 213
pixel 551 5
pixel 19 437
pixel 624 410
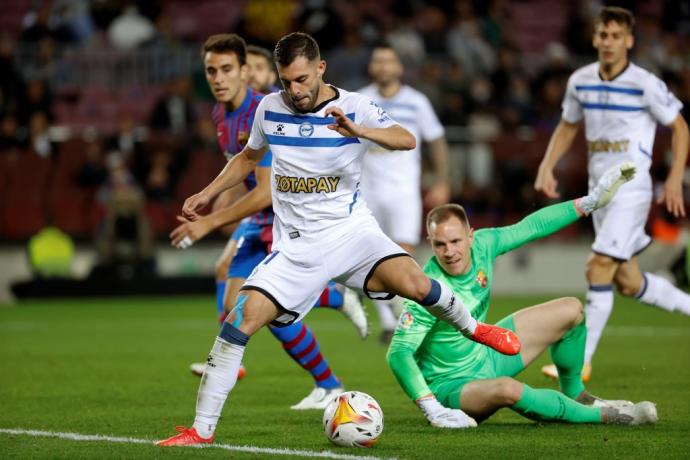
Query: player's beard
pixel 313 97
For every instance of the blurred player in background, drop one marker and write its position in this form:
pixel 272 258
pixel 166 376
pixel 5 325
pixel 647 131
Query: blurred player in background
pixel 262 71
pixel 391 180
pixel 322 226
pixel 226 72
pixel 621 105
pixel 446 374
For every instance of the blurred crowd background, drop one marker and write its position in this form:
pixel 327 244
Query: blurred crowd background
pixel 105 120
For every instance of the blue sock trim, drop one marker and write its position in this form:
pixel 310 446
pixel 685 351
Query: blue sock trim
pixel 643 289
pixel 601 287
pixel 220 294
pixel 433 295
pixel 231 334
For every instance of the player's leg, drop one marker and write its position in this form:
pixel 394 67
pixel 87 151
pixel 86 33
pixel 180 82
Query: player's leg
pixel 297 339
pixel 346 301
pixel 223 364
pixel 598 306
pixel 300 343
pixel 481 398
pixel 390 309
pixel 221 271
pixel 650 289
pixel 559 326
pixel 225 199
pixel 399 274
pixel 599 301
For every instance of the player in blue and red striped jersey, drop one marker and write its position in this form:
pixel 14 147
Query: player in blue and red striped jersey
pixel 226 73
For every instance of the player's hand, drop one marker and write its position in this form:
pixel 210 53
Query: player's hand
pixel 672 196
pixel 193 204
pixel 189 232
pixel 443 417
pixel 343 125
pixel 452 418
pixel 546 183
pixel 437 195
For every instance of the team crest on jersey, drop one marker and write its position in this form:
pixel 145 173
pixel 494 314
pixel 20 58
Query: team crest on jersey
pixel 242 138
pixel 406 320
pixel 482 279
pixel 306 129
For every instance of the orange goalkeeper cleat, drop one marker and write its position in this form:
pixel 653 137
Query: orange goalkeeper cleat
pixel 502 340
pixel 185 437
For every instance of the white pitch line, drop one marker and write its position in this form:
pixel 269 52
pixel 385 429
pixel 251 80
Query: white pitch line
pixel 250 449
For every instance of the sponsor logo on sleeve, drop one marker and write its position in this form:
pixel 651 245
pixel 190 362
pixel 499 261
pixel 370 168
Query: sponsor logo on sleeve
pixel 406 320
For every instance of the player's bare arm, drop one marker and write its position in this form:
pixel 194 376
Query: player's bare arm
pixel 232 174
pixel 252 202
pixel 560 142
pixel 439 193
pixel 672 194
pixel 391 138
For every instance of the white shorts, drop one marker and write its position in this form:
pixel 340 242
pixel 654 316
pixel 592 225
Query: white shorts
pixel 295 273
pixel 398 214
pixel 619 227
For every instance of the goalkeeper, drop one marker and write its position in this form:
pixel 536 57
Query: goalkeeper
pixel 455 381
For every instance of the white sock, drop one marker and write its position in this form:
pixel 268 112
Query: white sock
pixel 218 380
pixel 597 311
pixel 386 316
pixel 450 309
pixel 659 292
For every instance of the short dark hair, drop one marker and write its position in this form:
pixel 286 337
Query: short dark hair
pixel 260 51
pixel 264 53
pixel 444 212
pixel 617 14
pixel 226 43
pixel 383 43
pixel 294 45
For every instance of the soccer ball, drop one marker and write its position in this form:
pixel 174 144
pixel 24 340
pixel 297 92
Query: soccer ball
pixel 353 419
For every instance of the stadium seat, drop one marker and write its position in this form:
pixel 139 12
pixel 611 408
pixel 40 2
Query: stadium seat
pixel 25 211
pixel 69 202
pixel 202 168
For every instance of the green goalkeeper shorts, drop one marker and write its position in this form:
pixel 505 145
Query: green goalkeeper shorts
pixel 496 365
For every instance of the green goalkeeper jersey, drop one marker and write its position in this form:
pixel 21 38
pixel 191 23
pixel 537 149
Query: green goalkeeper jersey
pixel 426 352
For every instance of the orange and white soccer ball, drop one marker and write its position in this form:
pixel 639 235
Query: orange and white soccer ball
pixel 353 419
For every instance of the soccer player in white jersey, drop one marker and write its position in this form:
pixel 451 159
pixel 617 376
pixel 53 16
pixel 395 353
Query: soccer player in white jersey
pixel 322 228
pixel 620 104
pixel 390 178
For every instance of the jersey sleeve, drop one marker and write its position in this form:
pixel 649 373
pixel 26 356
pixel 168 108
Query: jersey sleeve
pixel 413 326
pixel 257 138
pixel 537 225
pixel 662 103
pixel 370 115
pixel 572 109
pixel 431 128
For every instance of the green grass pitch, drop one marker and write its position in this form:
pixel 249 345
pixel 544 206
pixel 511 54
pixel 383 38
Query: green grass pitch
pixel 119 367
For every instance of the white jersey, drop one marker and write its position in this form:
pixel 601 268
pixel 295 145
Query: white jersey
pixel 393 170
pixel 315 171
pixel 620 118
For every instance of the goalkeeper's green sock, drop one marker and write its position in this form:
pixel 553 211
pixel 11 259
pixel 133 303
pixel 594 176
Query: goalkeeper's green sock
pixel 568 354
pixel 552 406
